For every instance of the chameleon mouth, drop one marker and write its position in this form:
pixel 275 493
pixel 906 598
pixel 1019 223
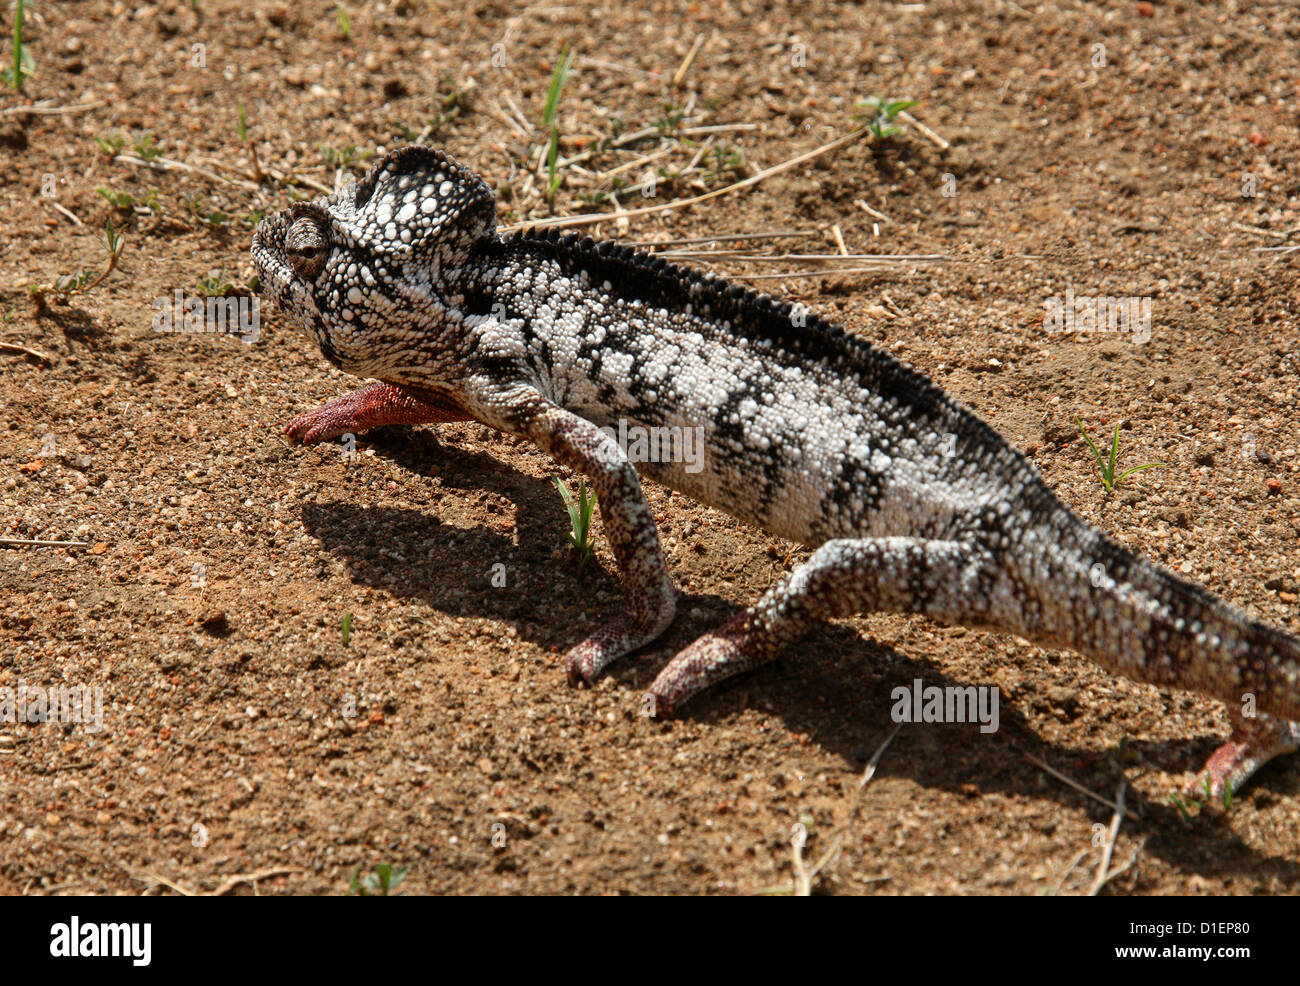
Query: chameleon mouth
pixel 278 279
pixel 274 273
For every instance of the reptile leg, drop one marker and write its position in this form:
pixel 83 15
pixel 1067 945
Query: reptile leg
pixel 1253 743
pixel 630 528
pixel 842 577
pixel 371 406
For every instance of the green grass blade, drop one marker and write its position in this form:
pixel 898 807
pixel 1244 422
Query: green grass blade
pixel 16 73
pixel 558 77
pixel 1101 463
pixel 1132 469
pixel 1114 451
pixel 567 497
pixel 552 151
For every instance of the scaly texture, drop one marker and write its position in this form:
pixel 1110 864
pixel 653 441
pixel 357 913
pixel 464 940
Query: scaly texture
pixel 767 412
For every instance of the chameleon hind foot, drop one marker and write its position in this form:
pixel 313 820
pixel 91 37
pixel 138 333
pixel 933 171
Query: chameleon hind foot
pixel 1253 743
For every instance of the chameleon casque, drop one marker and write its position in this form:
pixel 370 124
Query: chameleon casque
pixel 911 502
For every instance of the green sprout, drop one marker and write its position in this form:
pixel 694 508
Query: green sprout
pixel 672 118
pixel 212 218
pixel 215 285
pixel 580 509
pixel 346 626
pixel 345 22
pixel 69 284
pixel 728 160
pixel 1177 801
pixel 111 143
pixel 124 201
pixel 21 66
pixel 880 114
pixel 1107 467
pixel 377 883
pixel 454 101
pixel 146 148
pixel 241 128
pixel 558 76
pixel 1228 793
pixel 346 157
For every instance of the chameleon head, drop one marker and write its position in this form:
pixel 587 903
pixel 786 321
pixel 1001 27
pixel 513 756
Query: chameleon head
pixel 368 270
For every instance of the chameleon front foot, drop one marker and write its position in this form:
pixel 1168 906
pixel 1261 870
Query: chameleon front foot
pixel 370 407
pixel 1253 743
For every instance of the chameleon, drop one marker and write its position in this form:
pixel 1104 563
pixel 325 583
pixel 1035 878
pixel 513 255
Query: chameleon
pixel 908 501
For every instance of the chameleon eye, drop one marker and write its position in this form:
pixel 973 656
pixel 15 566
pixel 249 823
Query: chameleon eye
pixel 306 246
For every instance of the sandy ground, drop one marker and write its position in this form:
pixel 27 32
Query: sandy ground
pixel 247 747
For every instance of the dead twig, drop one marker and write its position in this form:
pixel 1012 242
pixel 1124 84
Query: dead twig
pixel 1103 868
pixel 231 882
pixel 870 772
pixel 67 212
pixel 815 258
pixel 803 875
pixel 21 543
pixel 820 272
pixel 599 217
pixel 1072 783
pixel 724 238
pixel 13 347
pixel 1074 863
pixel 839 240
pixel 1132 859
pixel 52 110
pixel 292 180
pixel 163 881
pixel 167 164
pixel 925 131
pixel 716 128
pixel 618 67
pixel 685 67
pixel 872 212
pixel 1260 231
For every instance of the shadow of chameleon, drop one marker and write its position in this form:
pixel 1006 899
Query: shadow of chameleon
pixel 834 687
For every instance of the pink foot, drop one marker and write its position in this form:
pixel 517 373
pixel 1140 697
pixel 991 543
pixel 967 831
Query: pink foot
pixel 1252 744
pixel 371 406
pixel 718 654
pixel 624 634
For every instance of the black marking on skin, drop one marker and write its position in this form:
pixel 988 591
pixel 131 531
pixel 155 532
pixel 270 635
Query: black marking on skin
pixel 856 481
pixel 652 282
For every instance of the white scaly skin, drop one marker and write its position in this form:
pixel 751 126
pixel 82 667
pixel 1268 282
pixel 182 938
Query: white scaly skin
pixel 913 503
